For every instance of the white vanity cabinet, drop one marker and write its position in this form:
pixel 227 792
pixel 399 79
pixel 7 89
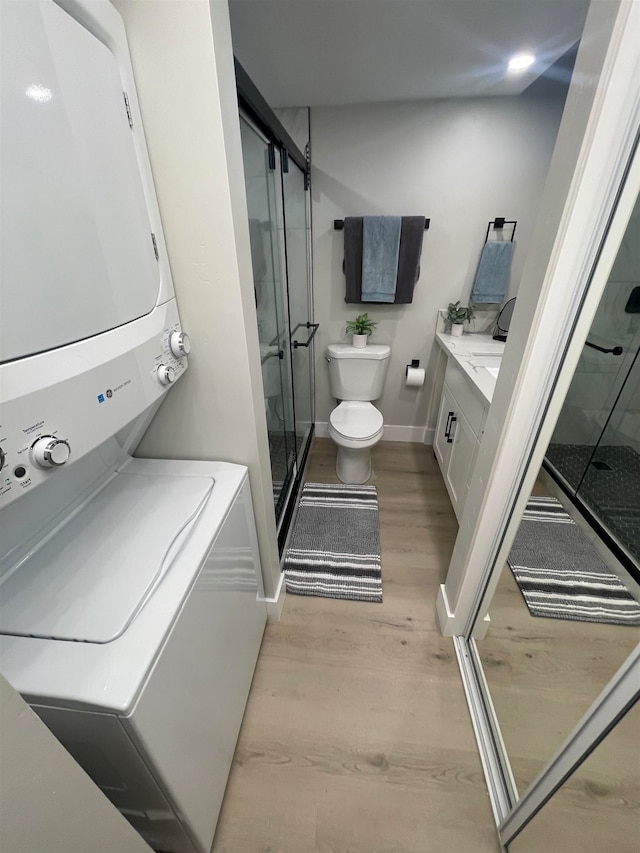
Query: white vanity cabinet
pixel 461 418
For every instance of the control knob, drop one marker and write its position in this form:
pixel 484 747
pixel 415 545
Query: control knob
pixel 179 344
pixel 50 452
pixel 166 374
pixel 3 458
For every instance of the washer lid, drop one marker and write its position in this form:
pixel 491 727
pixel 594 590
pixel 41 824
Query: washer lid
pixel 90 580
pixel 355 419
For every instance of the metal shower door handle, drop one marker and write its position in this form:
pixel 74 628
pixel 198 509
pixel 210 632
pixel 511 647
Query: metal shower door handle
pixel 617 350
pixel 313 326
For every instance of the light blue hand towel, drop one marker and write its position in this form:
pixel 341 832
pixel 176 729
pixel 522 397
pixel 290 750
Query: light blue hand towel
pixel 380 248
pixel 492 275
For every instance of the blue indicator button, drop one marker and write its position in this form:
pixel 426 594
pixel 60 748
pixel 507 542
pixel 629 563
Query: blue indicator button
pixel 101 398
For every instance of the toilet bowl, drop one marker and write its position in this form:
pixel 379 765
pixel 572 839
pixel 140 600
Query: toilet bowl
pixel 356 377
pixel 355 427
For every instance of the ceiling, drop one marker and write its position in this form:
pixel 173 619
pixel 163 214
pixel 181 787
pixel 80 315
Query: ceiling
pixel 335 52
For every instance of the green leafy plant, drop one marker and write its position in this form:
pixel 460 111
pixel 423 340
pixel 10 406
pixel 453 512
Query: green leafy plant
pixel 362 325
pixel 457 313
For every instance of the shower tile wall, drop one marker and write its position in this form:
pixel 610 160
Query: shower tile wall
pixel 596 442
pixel 598 377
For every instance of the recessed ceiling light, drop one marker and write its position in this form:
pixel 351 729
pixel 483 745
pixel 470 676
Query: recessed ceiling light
pixel 520 61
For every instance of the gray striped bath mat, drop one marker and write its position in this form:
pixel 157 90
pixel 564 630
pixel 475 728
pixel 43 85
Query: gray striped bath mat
pixel 561 575
pixel 334 551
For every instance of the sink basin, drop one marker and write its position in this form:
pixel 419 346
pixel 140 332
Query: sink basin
pixel 486 360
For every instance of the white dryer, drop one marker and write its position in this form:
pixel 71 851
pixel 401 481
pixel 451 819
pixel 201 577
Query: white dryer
pixel 131 601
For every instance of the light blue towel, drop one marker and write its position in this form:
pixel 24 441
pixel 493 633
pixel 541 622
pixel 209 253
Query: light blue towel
pixel 492 275
pixel 380 248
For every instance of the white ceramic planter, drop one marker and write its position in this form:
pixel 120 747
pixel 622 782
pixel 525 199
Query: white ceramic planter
pixel 360 341
pixel 457 330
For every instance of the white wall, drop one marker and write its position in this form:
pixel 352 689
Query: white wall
pixel 48 804
pixel 459 162
pixel 183 65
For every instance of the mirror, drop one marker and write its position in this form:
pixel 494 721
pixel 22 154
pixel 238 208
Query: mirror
pixel 565 610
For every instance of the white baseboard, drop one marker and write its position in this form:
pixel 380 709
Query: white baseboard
pixel 429 436
pixel 446 617
pixel 403 433
pixel 275 604
pixel 391 433
pixel 444 613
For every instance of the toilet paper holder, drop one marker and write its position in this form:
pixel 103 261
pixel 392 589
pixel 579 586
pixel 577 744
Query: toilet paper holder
pixel 415 362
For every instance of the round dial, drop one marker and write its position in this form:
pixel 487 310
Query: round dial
pixel 166 374
pixel 180 344
pixel 3 458
pixel 50 452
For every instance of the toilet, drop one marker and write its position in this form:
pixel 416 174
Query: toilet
pixel 356 377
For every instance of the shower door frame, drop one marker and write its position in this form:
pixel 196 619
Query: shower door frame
pixel 611 180
pixel 257 112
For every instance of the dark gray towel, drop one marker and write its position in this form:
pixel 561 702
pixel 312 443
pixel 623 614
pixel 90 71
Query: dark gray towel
pixel 411 236
pixel 352 266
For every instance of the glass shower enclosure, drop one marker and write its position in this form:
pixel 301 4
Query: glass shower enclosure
pixel 594 453
pixel 278 206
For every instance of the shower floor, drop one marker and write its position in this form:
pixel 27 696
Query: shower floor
pixel 610 487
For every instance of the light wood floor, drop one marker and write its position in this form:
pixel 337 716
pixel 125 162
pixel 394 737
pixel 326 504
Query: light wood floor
pixel 356 737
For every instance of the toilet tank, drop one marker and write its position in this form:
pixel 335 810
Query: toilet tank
pixel 357 373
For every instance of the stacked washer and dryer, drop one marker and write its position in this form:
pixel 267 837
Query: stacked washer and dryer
pixel 131 601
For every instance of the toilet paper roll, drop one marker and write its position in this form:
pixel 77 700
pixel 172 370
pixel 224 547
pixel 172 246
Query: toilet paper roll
pixel 415 377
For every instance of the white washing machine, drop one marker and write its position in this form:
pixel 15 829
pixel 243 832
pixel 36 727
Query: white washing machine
pixel 131 601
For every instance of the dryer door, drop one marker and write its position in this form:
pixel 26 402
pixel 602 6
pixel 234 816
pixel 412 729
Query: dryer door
pixel 76 252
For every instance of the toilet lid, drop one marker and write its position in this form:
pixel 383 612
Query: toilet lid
pixel 354 419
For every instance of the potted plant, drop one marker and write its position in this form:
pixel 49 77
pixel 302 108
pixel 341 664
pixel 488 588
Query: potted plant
pixel 456 316
pixel 360 329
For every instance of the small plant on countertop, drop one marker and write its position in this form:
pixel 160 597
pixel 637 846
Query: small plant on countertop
pixel 362 325
pixel 456 314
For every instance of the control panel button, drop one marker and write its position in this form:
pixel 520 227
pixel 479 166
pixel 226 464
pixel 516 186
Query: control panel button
pixel 50 452
pixel 166 374
pixel 19 472
pixel 179 344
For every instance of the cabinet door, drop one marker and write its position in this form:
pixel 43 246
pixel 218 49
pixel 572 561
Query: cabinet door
pixel 462 454
pixel 442 441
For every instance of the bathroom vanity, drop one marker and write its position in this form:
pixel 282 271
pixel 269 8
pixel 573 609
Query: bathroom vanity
pixel 470 374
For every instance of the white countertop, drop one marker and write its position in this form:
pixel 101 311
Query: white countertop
pixel 479 357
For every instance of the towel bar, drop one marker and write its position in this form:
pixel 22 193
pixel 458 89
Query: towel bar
pixel 338 224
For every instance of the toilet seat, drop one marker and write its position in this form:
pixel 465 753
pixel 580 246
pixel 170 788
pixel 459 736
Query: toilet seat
pixel 356 420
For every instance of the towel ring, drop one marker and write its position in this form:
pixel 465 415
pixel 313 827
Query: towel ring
pixel 498 224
